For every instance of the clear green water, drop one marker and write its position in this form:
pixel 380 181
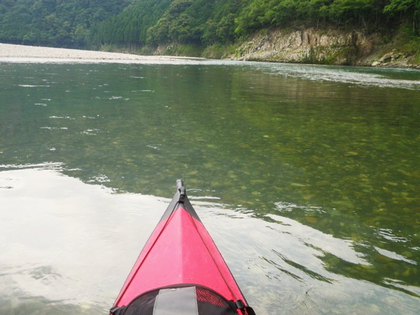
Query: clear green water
pixel 308 177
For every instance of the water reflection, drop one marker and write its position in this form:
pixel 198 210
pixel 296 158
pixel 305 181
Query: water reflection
pixel 322 176
pixel 61 254
pixel 58 245
pixel 20 304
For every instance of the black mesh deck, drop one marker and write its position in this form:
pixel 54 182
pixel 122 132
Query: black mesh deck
pixel 204 302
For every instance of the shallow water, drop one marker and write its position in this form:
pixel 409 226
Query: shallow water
pixel 307 177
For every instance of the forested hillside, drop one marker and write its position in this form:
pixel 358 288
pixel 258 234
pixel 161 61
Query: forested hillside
pixel 60 23
pixel 206 22
pixel 136 23
pixel 201 22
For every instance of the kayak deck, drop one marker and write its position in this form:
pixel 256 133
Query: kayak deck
pixel 180 254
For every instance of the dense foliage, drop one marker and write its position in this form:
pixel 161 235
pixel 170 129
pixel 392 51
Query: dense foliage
pixel 131 25
pixel 65 23
pixel 160 21
pixel 137 23
pixel 367 14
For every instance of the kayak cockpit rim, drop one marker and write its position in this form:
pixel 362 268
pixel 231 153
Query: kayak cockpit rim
pixel 185 299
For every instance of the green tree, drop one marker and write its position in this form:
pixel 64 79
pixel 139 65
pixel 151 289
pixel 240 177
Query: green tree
pixel 183 29
pixel 403 8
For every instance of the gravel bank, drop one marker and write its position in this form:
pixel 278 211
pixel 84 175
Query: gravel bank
pixel 10 52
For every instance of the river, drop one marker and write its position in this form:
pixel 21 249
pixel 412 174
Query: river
pixel 307 177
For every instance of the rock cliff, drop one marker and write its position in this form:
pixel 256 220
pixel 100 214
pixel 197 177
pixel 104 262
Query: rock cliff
pixel 324 46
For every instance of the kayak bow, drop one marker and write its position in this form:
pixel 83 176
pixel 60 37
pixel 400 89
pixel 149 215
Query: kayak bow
pixel 180 270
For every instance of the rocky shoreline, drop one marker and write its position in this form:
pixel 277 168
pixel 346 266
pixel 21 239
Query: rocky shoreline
pixel 305 46
pixel 325 46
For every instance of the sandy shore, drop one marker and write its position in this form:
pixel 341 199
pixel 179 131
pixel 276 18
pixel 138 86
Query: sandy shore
pixel 10 52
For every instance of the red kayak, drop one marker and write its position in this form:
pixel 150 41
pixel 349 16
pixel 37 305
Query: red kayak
pixel 180 271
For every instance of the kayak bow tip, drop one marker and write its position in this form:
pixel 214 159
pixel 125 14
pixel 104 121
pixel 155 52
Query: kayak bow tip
pixel 180 189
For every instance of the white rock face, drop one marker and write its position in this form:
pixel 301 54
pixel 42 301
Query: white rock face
pixel 321 46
